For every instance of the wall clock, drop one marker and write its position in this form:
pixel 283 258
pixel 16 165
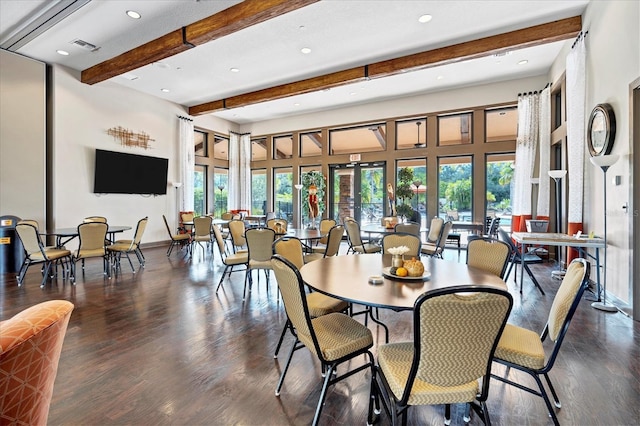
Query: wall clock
pixel 601 130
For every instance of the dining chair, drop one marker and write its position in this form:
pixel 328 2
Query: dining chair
pixel 36 252
pixel 182 240
pixel 455 334
pixel 398 239
pixel 99 219
pixel 332 248
pixel 516 259
pixel 325 227
pixel 335 338
pixel 260 249
pixel 489 254
pixel 120 247
pixel 492 225
pixel 92 236
pixel 30 347
pixel 237 229
pixel 354 238
pixel 435 229
pixel 226 216
pixel 201 233
pixel 319 304
pixel 412 228
pixel 186 216
pixel 278 225
pixel 229 260
pixel 523 349
pixel 435 250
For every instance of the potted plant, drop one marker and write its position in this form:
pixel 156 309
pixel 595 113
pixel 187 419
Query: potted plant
pixel 404 193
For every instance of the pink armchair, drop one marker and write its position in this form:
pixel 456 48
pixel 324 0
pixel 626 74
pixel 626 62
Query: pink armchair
pixel 30 346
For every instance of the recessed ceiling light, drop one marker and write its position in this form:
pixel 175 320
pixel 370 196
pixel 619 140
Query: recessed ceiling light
pixel 352 93
pixel 305 50
pixel 425 18
pixel 296 104
pixel 129 76
pixel 440 77
pixel 62 52
pixel 133 14
pixel 522 62
pixel 162 65
pixel 234 70
pixel 165 90
pixel 302 28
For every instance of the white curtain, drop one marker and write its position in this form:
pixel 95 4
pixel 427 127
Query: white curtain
pixel 239 171
pixel 576 98
pixel 187 164
pixel 542 208
pixel 528 119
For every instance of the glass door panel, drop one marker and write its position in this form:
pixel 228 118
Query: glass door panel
pixel 357 191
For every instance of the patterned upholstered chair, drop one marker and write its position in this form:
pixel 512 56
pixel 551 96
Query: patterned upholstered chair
pixel 260 248
pixel 92 236
pixel 120 247
pixel 325 227
pixel 523 350
pixel 236 230
pixel 334 338
pixel 36 252
pixel 398 239
pixel 489 255
pixel 435 229
pixel 202 233
pixel 435 250
pixel 334 238
pixel 412 228
pixel 442 366
pixel 318 303
pixel 229 260
pixel 182 240
pixel 356 245
pixel 30 346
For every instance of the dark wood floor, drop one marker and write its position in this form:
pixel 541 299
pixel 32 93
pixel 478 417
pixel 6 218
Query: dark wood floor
pixel 161 347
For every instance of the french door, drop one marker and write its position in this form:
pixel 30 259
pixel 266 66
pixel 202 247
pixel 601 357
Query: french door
pixel 358 191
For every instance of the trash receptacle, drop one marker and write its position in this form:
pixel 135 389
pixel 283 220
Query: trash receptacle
pixel 11 250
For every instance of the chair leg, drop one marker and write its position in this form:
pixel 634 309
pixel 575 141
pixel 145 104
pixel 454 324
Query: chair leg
pixel 544 395
pixel 222 277
pixel 130 262
pixel 323 394
pixel 284 331
pixel 286 367
pixel 447 414
pixel 45 274
pixel 556 400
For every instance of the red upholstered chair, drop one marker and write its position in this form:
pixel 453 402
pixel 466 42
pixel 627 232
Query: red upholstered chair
pixel 30 345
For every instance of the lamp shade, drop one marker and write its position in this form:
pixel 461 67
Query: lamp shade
pixel 603 161
pixel 177 184
pixel 298 186
pixel 557 174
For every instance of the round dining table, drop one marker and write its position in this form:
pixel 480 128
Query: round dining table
pixel 347 277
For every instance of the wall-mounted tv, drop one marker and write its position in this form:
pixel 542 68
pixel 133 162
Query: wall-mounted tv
pixel 121 173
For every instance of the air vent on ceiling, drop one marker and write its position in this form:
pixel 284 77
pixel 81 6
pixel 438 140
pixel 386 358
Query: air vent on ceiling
pixel 501 54
pixel 85 45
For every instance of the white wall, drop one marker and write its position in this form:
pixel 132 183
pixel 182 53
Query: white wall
pixel 613 63
pixel 82 115
pixel 22 137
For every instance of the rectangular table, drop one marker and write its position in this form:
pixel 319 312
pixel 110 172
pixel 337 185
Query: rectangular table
pixel 581 243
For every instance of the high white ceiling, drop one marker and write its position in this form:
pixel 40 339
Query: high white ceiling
pixel 341 35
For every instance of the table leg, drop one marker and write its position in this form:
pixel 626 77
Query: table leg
pixel 522 254
pixel 386 329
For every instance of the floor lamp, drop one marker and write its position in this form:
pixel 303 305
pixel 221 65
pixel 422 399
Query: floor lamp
pixel 557 176
pixel 604 162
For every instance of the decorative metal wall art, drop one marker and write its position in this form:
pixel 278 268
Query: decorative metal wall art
pixel 130 138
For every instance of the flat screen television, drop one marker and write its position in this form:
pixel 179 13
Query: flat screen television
pixel 121 173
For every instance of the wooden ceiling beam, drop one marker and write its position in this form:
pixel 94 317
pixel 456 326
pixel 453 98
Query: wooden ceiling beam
pixel 236 18
pixel 528 37
pixel 532 36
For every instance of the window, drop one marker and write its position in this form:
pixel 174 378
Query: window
pixel 368 138
pixel 454 129
pixel 282 190
pixel 411 134
pixel 200 141
pixel 310 144
pixel 282 147
pixel 259 191
pixel 259 149
pixel 221 179
pixel 221 147
pixel 501 124
pixel 419 187
pixel 455 187
pixel 499 187
pixel 200 190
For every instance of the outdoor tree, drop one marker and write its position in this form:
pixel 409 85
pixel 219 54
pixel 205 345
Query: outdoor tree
pixel 404 193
